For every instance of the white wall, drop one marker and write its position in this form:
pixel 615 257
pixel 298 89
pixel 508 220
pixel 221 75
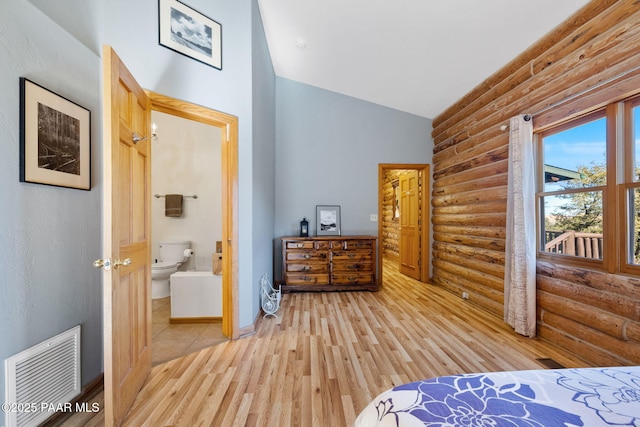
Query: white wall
pixel 49 236
pixel 186 160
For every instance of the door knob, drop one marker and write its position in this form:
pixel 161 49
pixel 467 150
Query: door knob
pixel 103 263
pixel 125 263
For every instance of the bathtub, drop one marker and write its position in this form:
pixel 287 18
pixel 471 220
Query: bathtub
pixel 196 296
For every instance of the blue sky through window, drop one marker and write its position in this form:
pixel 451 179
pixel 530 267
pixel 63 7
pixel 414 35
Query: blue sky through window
pixel 578 146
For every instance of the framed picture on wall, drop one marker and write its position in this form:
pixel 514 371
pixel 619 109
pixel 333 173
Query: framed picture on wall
pixel 189 32
pixel 55 139
pixel 327 220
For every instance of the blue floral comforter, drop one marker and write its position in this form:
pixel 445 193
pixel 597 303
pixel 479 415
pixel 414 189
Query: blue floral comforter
pixel 589 397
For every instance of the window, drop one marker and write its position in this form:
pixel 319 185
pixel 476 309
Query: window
pixel 632 184
pixel 589 189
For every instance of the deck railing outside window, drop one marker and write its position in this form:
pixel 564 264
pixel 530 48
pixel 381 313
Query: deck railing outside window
pixel 586 245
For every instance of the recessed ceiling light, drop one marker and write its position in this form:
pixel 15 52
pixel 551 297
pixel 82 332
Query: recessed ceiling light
pixel 301 44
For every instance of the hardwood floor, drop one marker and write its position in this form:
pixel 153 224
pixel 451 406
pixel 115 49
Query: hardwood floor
pixel 327 355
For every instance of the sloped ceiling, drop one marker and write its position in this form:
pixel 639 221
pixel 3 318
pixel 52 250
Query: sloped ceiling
pixel 417 56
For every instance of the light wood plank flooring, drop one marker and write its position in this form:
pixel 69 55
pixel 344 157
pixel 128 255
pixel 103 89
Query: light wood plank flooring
pixel 327 355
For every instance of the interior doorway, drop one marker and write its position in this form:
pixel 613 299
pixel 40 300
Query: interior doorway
pixel 228 126
pixel 415 256
pixel 187 316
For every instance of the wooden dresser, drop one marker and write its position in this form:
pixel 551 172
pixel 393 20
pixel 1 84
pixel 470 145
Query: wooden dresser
pixel 329 263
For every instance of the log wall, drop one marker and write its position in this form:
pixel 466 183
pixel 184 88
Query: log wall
pixel 592 314
pixel 390 227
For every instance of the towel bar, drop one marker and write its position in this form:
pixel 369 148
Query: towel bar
pixel 157 196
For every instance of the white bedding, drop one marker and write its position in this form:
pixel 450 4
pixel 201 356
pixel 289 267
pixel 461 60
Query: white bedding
pixel 589 397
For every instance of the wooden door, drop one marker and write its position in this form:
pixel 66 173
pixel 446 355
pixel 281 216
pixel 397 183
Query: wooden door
pixel 409 242
pixel 127 284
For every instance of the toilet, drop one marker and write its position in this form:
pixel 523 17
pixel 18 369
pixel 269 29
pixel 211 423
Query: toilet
pixel 172 254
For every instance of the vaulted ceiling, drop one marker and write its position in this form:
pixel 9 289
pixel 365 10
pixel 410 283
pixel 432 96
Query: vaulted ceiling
pixel 417 56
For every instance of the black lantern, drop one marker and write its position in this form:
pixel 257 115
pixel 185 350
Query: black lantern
pixel 304 228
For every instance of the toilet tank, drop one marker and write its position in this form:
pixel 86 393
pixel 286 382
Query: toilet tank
pixel 173 251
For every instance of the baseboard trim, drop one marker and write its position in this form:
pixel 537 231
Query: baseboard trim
pixel 251 329
pixel 94 387
pixel 195 320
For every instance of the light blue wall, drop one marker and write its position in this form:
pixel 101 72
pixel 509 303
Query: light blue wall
pixel 313 147
pixel 328 150
pixel 49 236
pixel 228 90
pixel 264 146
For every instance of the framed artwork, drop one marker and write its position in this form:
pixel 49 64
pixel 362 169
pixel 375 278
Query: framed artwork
pixel 327 220
pixel 189 32
pixel 55 139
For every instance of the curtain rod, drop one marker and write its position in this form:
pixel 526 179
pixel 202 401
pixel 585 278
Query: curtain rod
pixel 528 117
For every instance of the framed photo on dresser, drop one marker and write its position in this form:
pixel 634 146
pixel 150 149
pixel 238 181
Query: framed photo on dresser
pixel 327 220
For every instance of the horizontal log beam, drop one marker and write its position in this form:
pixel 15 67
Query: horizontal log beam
pixel 488 219
pixel 585 350
pixel 600 320
pixel 472 230
pixel 578 293
pixel 470 175
pixel 626 351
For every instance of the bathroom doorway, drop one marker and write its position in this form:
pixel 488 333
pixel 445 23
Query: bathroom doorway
pixel 227 129
pixel 186 160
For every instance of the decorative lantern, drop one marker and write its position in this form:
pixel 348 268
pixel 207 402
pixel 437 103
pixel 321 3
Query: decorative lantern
pixel 304 228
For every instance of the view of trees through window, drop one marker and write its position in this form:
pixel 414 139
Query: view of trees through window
pixel 575 184
pixel 634 193
pixel 575 175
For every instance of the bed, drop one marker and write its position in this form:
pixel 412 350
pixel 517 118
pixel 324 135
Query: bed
pixel 589 397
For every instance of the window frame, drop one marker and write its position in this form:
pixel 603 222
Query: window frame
pixel 615 201
pixel 627 183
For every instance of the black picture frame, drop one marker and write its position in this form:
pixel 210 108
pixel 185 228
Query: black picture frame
pixel 55 139
pixel 189 32
pixel 328 220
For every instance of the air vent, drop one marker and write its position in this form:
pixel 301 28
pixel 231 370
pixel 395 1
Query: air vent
pixel 549 363
pixel 42 378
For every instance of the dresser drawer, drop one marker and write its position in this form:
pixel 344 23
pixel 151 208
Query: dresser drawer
pixel 345 255
pixel 347 278
pixel 296 255
pixel 351 245
pixel 365 266
pixel 307 244
pixel 306 279
pixel 299 267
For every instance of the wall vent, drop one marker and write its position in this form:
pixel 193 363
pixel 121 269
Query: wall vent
pixel 42 379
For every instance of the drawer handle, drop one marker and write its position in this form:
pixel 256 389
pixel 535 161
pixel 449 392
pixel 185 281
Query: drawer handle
pixel 307 256
pixel 306 268
pixel 307 279
pixel 301 245
pixel 352 256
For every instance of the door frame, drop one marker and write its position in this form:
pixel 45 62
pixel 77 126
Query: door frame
pixel 228 126
pixel 424 217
